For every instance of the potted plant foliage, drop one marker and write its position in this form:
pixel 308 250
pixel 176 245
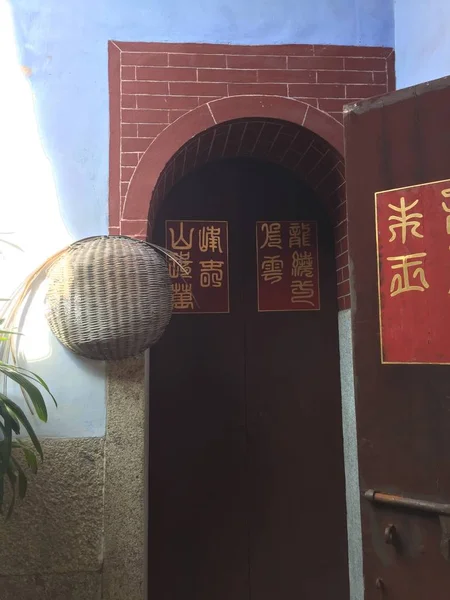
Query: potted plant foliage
pixel 16 454
pixel 13 422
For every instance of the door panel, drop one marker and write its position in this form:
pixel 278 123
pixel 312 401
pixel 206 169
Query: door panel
pixel 294 419
pixel 403 416
pixel 197 494
pixel 245 429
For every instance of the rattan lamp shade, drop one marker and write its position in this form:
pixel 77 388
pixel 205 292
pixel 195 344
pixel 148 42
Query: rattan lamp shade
pixel 109 298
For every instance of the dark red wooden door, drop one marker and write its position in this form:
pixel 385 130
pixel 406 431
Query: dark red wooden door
pixel 245 418
pixel 403 410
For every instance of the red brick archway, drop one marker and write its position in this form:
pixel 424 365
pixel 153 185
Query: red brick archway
pixel 292 127
pixel 159 153
pixel 176 106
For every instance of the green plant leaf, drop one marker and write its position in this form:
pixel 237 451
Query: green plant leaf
pixel 23 482
pixel 12 480
pixel 33 392
pixel 30 375
pixel 23 419
pixel 31 459
pixel 41 381
pixel 30 456
pixel 6 442
pixel 15 425
pixel 2 493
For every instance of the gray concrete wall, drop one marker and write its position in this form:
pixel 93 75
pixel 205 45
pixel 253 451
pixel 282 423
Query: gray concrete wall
pixel 351 458
pixel 125 483
pixel 80 532
pixel 53 545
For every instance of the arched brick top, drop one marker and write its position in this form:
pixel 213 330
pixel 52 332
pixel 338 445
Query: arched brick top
pixel 308 156
pixel 155 140
pixel 208 115
pixel 285 131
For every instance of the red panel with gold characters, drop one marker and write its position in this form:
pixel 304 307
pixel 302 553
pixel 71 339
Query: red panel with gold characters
pixel 200 275
pixel 288 266
pixel 413 247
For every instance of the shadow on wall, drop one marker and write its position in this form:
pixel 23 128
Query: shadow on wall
pixel 31 219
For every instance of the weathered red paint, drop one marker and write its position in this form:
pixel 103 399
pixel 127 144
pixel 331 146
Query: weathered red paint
pixel 199 273
pixel 413 230
pixel 402 410
pixel 288 266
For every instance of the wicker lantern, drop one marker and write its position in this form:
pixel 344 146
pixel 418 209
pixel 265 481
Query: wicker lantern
pixel 109 298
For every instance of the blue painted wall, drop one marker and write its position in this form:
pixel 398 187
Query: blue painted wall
pixel 65 45
pixel 422 41
pixel 63 109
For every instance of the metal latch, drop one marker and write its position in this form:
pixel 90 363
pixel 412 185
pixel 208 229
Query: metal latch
pixel 441 509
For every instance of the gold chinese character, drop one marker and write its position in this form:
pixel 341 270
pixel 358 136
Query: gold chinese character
pixel 181 243
pixel 295 235
pixel 302 264
pixel 182 296
pixel 405 220
pixel 301 292
pixel 182 267
pixel 299 235
pixel 400 281
pixel 209 239
pixel 306 234
pixel 273 235
pixel 446 194
pixel 272 269
pixel 211 274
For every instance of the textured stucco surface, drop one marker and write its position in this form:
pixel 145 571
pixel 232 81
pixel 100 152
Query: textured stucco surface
pixel 351 458
pixel 125 482
pixel 58 528
pixel 80 534
pixel 72 586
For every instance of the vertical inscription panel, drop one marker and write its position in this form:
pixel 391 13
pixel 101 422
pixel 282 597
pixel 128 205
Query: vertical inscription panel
pixel 199 273
pixel 288 266
pixel 413 248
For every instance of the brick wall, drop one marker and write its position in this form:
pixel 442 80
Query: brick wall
pixel 153 84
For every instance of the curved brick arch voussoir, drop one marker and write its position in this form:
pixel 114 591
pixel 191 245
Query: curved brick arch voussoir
pixel 168 142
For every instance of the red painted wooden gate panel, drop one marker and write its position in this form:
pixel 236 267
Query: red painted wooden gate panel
pixel 403 410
